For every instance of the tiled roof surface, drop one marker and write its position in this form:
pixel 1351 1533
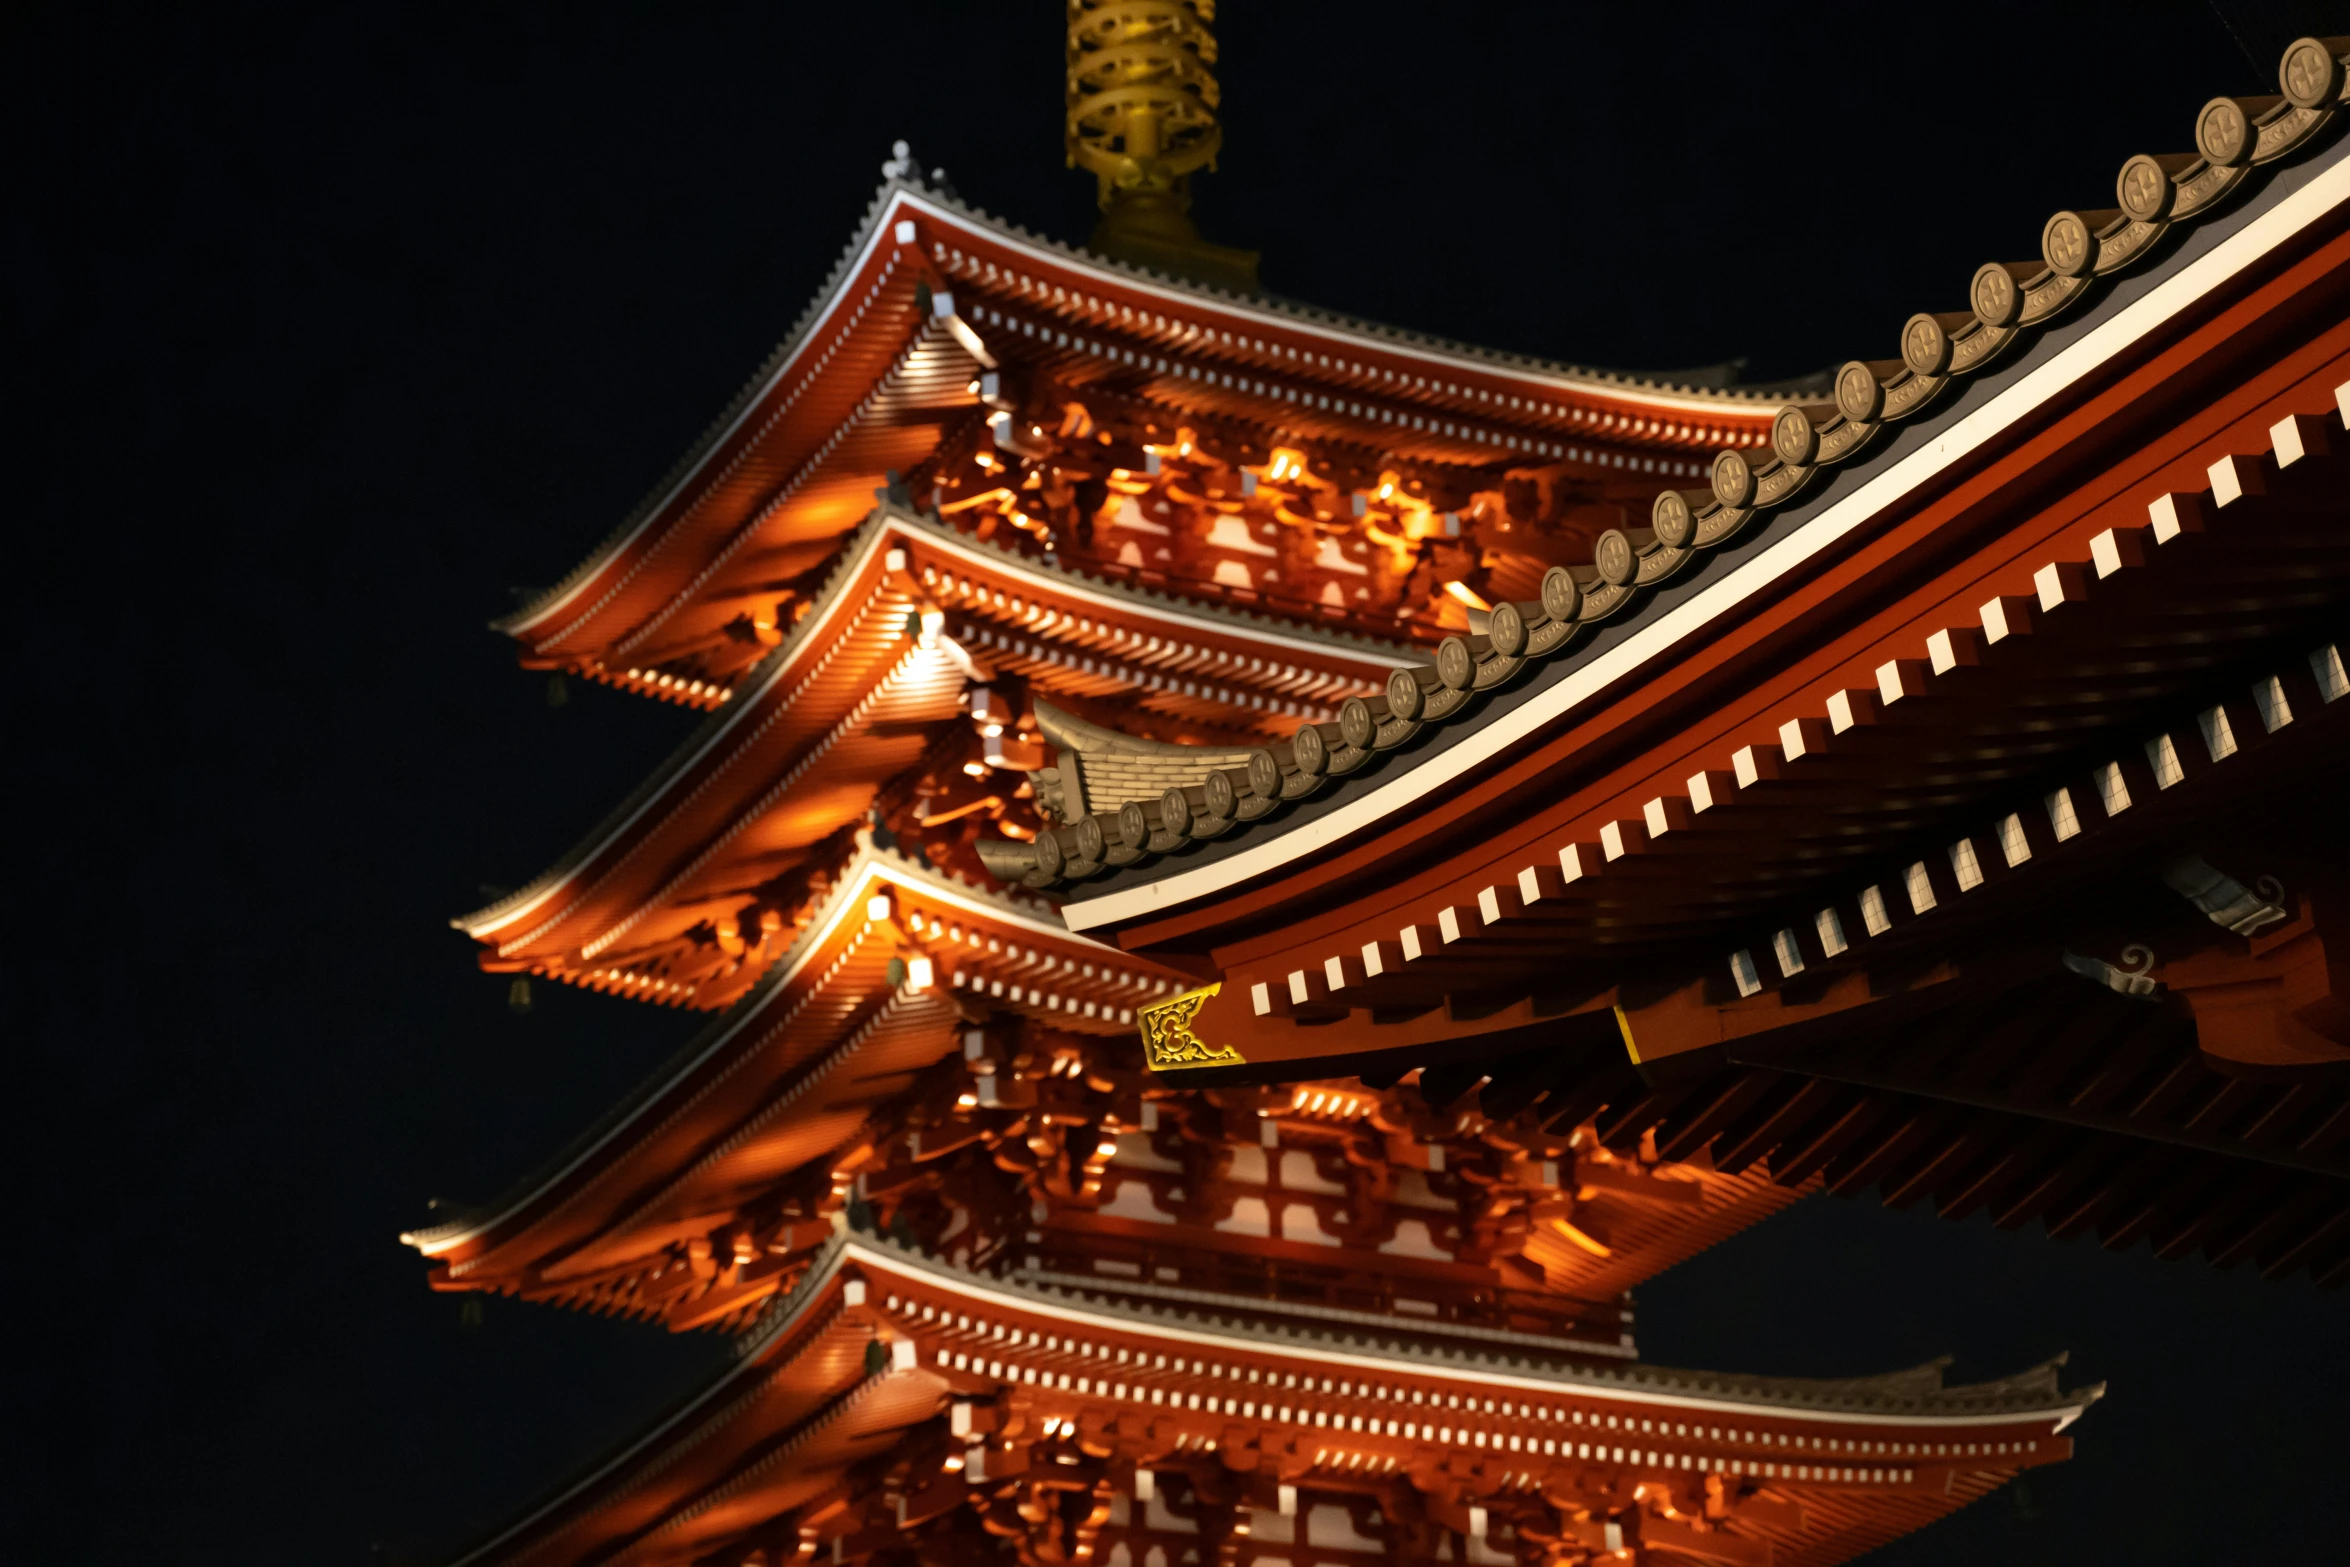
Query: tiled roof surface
pixel 2012 303
pixel 1703 384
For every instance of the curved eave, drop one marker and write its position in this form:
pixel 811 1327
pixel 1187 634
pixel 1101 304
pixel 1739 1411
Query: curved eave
pixel 848 1293
pixel 1202 1320
pixel 1337 651
pixel 609 1144
pixel 713 1405
pixel 712 743
pixel 525 919
pixel 906 220
pixel 1224 311
pixel 832 302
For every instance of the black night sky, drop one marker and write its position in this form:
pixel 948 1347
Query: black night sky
pixel 331 328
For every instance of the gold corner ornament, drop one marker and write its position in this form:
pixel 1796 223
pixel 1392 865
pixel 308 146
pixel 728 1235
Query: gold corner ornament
pixel 1169 1045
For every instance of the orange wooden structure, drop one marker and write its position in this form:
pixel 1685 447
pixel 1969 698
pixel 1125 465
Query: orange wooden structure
pixel 1935 802
pixel 1000 1288
pixel 1202 516
pixel 1255 874
pixel 892 1407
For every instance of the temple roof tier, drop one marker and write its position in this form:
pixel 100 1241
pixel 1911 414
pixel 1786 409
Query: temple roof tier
pixel 866 994
pixel 953 1062
pixel 893 1401
pixel 2218 593
pixel 899 680
pixel 935 327
pixel 1258 874
pixel 1794 523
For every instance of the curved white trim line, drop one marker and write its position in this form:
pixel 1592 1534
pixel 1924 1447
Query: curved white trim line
pixel 1565 1384
pixel 2076 360
pixel 848 1248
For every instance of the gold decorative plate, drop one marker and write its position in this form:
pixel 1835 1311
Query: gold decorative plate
pixel 1169 1045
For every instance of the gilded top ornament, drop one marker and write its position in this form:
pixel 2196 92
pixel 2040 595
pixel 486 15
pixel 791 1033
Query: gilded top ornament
pixel 1168 1044
pixel 1142 101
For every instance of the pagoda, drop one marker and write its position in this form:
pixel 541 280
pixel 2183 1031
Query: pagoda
pixel 1058 1224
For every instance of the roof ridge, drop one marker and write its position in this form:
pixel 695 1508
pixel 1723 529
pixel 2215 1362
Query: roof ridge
pixel 1317 315
pixel 1052 563
pixel 2013 304
pixel 1073 1284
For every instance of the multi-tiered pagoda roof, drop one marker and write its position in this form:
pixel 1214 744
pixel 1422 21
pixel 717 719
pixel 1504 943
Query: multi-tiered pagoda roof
pixel 1200 514
pixel 1256 874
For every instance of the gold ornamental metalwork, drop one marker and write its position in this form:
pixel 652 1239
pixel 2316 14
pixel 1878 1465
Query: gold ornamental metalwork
pixel 1169 1045
pixel 1142 101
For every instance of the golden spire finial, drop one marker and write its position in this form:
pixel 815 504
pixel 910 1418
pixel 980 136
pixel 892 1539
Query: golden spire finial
pixel 1142 120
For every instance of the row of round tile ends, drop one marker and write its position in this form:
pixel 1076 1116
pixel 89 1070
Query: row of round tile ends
pixel 2010 299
